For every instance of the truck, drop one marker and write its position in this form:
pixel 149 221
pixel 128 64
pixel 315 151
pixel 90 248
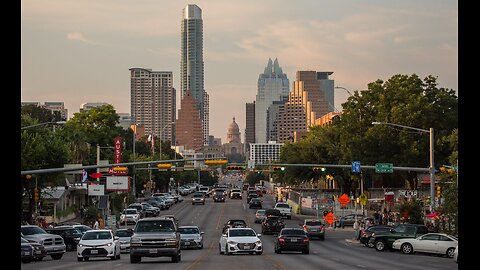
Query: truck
pixel 285 209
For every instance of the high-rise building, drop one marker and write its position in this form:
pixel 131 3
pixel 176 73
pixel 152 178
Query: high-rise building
pixel 53 106
pixel 90 105
pixel 189 125
pixel 206 119
pixel 249 124
pixel 274 113
pixel 153 102
pixel 191 62
pixel 273 85
pixel 320 90
pixel 264 153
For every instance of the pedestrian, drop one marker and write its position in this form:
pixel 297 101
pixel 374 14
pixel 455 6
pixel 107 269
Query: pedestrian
pixel 356 228
pixel 376 218
pixel 82 212
pixel 95 225
pixel 276 197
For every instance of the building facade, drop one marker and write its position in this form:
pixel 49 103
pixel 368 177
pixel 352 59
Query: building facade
pixel 249 125
pixel 53 106
pixel 273 85
pixel 274 113
pixel 153 102
pixel 84 107
pixel 191 62
pixel 320 91
pixel 189 125
pixel 234 142
pixel 264 153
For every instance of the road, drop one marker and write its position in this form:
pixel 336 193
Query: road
pixel 336 252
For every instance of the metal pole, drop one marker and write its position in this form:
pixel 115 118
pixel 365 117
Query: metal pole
pixel 361 191
pixel 98 158
pixel 432 174
pixel 133 172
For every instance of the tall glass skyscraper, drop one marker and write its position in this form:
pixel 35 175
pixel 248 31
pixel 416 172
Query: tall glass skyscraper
pixel 273 85
pixel 191 63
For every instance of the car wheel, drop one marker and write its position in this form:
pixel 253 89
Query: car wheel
pixel 226 250
pixel 289 217
pixel 176 258
pixel 380 245
pixel 322 237
pixel 201 246
pixel 118 256
pixel 39 259
pixel 135 259
pixel 56 256
pixel 86 258
pixel 79 259
pixel 220 249
pixel 259 252
pixel 406 248
pixel 450 252
pixel 306 251
pixel 114 257
pixel 26 260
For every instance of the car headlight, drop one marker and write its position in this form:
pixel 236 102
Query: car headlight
pixel 80 245
pixel 230 242
pixel 109 244
pixel 258 242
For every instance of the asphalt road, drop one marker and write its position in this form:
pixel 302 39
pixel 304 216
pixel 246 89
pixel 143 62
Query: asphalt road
pixel 336 252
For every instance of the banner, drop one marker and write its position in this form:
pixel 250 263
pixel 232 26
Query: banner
pixel 118 183
pixel 96 190
pixel 306 202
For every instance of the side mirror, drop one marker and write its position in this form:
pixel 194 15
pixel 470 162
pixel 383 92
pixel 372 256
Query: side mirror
pixel 202 233
pixel 259 234
pixel 116 238
pixel 224 235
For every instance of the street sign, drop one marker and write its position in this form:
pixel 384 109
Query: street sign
pixel 355 166
pixel 330 218
pixel 344 199
pixel 384 167
pixel 407 193
pixel 363 199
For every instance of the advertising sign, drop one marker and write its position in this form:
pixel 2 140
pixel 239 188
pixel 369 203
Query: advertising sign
pixel 118 183
pixel 307 202
pixel 118 150
pixel 96 190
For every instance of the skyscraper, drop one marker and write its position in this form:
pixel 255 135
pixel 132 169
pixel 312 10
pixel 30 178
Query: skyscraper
pixel 152 102
pixel 189 125
pixel 273 85
pixel 320 91
pixel 249 124
pixel 191 62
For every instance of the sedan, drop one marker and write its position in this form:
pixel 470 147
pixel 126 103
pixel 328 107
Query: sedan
pixel 219 197
pixel 124 236
pixel 365 234
pixel 292 239
pixel 98 243
pixel 240 240
pixel 255 203
pixel 437 243
pixel 190 237
pixel 260 215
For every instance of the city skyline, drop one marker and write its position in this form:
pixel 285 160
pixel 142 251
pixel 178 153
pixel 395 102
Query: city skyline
pixel 81 51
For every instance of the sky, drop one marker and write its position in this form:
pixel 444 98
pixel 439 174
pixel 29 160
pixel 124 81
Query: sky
pixel 77 51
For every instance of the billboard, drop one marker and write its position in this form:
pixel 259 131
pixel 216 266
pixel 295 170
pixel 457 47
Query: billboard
pixel 118 183
pixel 96 190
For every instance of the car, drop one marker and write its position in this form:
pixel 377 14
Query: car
pixel 285 209
pixel 236 194
pixel 190 237
pixel 365 234
pixel 31 251
pixel 260 215
pixel 82 228
pixel 234 223
pixel 172 217
pixel 140 209
pixel 124 236
pixel 250 196
pixel 272 225
pixel 129 215
pixel 455 255
pixel 150 210
pixel 71 236
pixel 435 243
pixel 348 220
pixel 240 240
pixel 155 237
pixel 198 197
pixel 98 243
pixel 384 240
pixel 292 239
pixel 219 197
pixel 314 228
pixel 54 244
pixel 255 203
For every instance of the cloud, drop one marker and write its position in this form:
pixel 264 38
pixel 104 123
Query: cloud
pixel 77 36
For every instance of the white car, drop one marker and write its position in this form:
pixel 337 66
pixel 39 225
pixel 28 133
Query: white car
pixel 98 243
pixel 240 240
pixel 129 215
pixel 438 243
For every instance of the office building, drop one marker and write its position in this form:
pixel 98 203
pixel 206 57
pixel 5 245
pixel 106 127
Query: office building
pixel 189 125
pixel 264 153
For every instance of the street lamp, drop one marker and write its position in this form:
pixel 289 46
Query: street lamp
pixel 46 123
pixel 348 91
pixel 432 166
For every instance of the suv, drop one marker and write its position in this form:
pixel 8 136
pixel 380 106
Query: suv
pixel 70 235
pixel 313 228
pixel 284 209
pixel 236 194
pixel 198 197
pixel 53 243
pixel 155 237
pixel 272 225
pixel 384 240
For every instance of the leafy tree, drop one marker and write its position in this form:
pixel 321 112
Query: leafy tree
pixel 411 212
pixel 41 114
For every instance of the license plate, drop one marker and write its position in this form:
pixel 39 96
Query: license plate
pixel 38 252
pixel 187 243
pixel 26 253
pixel 94 251
pixel 246 246
pixel 313 230
pixel 293 240
pixel 152 251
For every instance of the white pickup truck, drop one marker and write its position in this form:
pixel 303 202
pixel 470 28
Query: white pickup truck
pixel 285 209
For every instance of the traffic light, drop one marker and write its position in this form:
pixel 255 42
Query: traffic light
pixel 36 195
pixel 277 168
pixel 213 162
pixel 439 191
pixel 164 166
pixel 236 168
pixel 318 169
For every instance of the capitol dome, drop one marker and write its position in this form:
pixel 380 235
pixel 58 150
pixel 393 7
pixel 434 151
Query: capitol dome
pixel 233 134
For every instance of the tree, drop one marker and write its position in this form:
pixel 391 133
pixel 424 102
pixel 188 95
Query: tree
pixel 411 212
pixel 41 114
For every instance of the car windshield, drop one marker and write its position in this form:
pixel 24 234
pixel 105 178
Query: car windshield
pixel 188 230
pixel 283 205
pixel 293 232
pixel 313 223
pixel 32 230
pixel 23 240
pixel 261 212
pixel 130 211
pixel 198 195
pixel 155 226
pixel 124 233
pixel 97 236
pixel 240 233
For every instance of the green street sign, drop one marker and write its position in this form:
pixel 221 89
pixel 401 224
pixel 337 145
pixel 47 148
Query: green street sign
pixel 384 167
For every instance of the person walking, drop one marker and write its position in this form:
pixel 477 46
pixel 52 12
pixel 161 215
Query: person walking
pixel 95 225
pixel 356 227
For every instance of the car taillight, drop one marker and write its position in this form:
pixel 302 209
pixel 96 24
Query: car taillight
pixel 322 228
pixel 305 240
pixel 281 240
pixel 305 227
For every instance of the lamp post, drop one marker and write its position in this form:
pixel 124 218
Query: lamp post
pixel 45 123
pixel 432 165
pixel 348 91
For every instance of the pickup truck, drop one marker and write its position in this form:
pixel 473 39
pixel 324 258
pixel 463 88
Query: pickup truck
pixel 285 209
pixel 384 240
pixel 155 237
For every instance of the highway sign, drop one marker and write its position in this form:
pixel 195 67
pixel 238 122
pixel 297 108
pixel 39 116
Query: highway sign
pixel 384 167
pixel 355 166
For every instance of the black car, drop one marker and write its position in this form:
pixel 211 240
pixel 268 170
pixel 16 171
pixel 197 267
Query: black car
pixel 219 197
pixel 251 196
pixel 32 251
pixel 255 203
pixel 365 234
pixel 292 239
pixel 71 236
pixel 272 224
pixel 234 223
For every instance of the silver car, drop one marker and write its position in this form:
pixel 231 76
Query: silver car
pixel 124 238
pixel 54 244
pixel 260 215
pixel 190 237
